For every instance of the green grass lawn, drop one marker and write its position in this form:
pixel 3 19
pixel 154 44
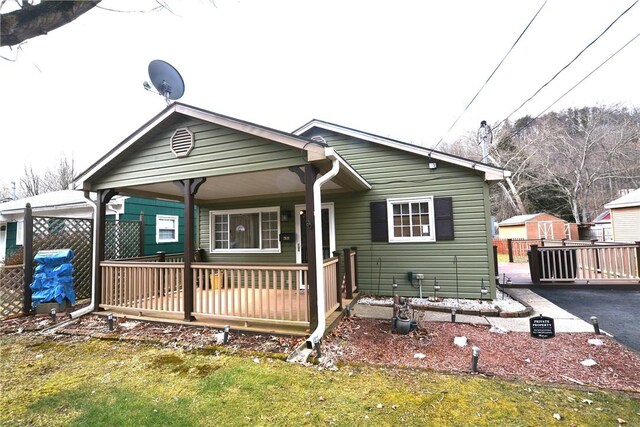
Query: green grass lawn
pixel 125 384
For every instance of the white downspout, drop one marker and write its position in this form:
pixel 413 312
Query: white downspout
pixel 91 306
pixel 317 334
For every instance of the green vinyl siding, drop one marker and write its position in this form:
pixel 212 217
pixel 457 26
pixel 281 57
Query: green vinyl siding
pixel 217 151
pixel 133 206
pixel 393 174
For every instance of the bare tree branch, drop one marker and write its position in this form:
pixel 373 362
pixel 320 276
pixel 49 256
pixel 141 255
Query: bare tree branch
pixel 35 20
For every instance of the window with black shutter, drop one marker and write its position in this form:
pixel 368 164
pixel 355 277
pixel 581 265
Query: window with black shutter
pixel 412 219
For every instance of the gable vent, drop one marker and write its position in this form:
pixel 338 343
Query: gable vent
pixel 182 142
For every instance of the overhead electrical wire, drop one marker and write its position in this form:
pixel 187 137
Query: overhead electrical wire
pixel 567 65
pixel 572 88
pixel 492 73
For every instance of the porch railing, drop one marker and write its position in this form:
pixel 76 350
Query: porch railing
pixel 275 292
pixel 237 291
pixel 593 263
pixel 331 284
pixel 143 287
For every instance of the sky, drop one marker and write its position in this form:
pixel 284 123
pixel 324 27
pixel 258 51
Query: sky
pixel 401 69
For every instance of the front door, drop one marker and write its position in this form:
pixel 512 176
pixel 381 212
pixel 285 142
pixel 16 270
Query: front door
pixel 328 232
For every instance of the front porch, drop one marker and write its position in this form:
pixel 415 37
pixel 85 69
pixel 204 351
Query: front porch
pixel 257 297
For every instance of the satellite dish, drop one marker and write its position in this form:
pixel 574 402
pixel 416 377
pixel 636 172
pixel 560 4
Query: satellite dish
pixel 166 79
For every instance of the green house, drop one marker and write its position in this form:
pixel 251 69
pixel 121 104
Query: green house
pixel 163 220
pixel 275 211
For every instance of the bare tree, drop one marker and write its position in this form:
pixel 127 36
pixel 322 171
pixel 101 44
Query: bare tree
pixel 568 163
pixel 60 176
pixel 30 183
pixel 589 155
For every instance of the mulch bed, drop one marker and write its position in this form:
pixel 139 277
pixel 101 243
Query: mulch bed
pixel 370 341
pixel 507 355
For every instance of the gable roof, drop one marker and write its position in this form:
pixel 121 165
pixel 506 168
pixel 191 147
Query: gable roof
pixel 518 219
pixel 64 199
pixel 315 150
pixel 491 173
pixel 629 200
pixel 604 217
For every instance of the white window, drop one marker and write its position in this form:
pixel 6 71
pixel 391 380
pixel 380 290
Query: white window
pixel 245 230
pixel 166 228
pixel 19 233
pixel 411 219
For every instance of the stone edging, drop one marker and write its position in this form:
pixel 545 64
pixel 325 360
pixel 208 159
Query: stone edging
pixel 488 313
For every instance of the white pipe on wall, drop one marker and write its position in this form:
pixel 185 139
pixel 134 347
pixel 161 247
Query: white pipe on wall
pixel 316 336
pixel 91 306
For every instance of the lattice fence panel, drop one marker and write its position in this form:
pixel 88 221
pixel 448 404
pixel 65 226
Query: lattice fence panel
pixel 11 287
pixel 122 239
pixel 68 233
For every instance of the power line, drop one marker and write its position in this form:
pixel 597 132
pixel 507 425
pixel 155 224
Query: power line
pixel 567 66
pixel 494 71
pixel 573 87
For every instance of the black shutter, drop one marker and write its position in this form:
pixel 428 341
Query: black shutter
pixel 379 230
pixel 443 208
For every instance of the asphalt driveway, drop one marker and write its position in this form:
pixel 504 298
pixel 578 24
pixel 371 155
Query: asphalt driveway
pixel 618 311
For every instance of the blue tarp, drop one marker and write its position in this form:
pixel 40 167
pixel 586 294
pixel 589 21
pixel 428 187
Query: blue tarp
pixel 53 280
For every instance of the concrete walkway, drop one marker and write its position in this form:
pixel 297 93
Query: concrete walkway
pixel 564 321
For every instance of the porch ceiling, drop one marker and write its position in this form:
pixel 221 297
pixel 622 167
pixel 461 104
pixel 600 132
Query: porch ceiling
pixel 250 185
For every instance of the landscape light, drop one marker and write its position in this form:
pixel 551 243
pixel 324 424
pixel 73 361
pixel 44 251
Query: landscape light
pixel 596 327
pixel 453 315
pixel 110 321
pixel 226 334
pixel 475 355
pixel 53 314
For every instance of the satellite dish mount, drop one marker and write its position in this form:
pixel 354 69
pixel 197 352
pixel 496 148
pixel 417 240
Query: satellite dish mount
pixel 166 80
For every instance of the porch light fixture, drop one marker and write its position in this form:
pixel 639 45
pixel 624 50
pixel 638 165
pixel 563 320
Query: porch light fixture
pixel 596 327
pixel 475 355
pixel 285 216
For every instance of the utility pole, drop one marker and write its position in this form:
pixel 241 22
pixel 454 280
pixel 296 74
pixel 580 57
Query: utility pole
pixel 484 138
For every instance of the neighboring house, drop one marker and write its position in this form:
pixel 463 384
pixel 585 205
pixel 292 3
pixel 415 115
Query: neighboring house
pixel 625 217
pixel 163 221
pixel 162 218
pixel 601 227
pixel 537 226
pixel 270 200
pixel 62 204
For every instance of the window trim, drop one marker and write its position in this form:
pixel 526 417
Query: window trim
pixel 260 210
pixel 19 232
pixel 411 239
pixel 175 218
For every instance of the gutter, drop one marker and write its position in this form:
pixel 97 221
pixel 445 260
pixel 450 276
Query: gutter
pixel 314 339
pixel 91 306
